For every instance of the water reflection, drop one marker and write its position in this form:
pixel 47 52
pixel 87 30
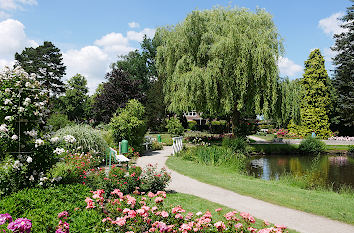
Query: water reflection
pixel 332 169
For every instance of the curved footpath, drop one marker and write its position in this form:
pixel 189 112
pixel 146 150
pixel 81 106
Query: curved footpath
pixel 294 219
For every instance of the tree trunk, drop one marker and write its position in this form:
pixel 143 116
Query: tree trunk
pixel 235 120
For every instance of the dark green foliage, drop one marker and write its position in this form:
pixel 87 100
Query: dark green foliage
pixel 343 74
pixel 47 63
pixel 43 205
pixel 220 62
pixel 58 121
pixel 129 124
pixel 192 125
pixel 218 127
pixel 214 155
pixel 115 93
pixel 315 103
pixel 156 107
pixel 174 127
pixel 75 103
pixel 236 144
pixel 312 145
pixel 351 149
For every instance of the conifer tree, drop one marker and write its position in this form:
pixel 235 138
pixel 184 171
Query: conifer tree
pixel 315 103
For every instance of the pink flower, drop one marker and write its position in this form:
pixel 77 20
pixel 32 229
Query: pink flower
pixel 247 217
pixel 162 193
pixel 90 204
pixel 4 218
pixel 252 230
pixel 238 226
pixel 220 225
pixel 63 215
pixel 131 200
pixel 151 195
pixel 282 227
pixel 177 209
pixel 23 225
pixel 131 214
pixel 118 192
pixel 107 219
pixel 164 214
pixel 119 221
pixel 179 216
pixel 185 228
pixel 158 199
pixel 218 209
pixel 266 222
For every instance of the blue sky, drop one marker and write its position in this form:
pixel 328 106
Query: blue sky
pixel 91 33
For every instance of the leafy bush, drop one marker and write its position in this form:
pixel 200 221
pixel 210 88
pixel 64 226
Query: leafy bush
pixel 312 145
pixel 42 206
pixel 351 149
pixel 237 144
pixel 129 124
pixel 214 155
pixel 218 127
pixel 192 125
pixel 154 180
pixel 58 121
pixel 156 146
pixel 87 139
pixel 174 127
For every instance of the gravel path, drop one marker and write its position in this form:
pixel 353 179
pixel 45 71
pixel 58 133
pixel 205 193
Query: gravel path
pixel 294 219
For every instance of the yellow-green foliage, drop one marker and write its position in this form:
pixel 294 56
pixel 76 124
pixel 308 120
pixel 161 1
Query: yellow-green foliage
pixel 315 103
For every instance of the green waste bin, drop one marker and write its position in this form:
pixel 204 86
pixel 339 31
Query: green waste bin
pixel 124 146
pixel 159 138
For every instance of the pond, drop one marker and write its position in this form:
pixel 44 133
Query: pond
pixel 336 170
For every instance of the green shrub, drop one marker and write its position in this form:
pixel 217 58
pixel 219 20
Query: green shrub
pixel 154 180
pixel 156 146
pixel 237 144
pixel 351 148
pixel 174 127
pixel 64 173
pixel 129 124
pixel 58 121
pixel 192 125
pixel 108 137
pixel 43 205
pixel 218 127
pixel 312 145
pixel 87 138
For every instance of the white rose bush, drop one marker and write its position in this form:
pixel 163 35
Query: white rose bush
pixel 25 154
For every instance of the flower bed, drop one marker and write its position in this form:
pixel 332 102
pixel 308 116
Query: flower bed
pixel 341 138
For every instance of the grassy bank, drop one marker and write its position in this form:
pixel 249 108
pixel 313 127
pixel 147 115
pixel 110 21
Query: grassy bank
pixel 325 203
pixel 290 148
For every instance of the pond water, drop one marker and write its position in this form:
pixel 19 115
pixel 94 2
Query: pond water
pixel 335 170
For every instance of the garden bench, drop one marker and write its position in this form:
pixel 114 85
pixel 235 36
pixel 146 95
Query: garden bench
pixel 117 157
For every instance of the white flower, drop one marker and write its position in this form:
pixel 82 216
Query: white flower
pixel 54 140
pixel 7 118
pixel 31 178
pixel 27 101
pixel 39 142
pixel 199 213
pixel 21 109
pixel 7 101
pixel 14 137
pixel 7 90
pixel 32 133
pixel 17 164
pixel 59 151
pixel 40 183
pixel 43 179
pixel 69 139
pixel 28 84
pixel 3 128
pixel 29 159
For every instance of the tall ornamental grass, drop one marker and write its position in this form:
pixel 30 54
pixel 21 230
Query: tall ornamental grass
pixel 87 138
pixel 215 156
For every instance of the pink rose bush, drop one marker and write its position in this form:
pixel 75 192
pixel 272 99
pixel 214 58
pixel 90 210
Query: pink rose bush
pixel 20 225
pixel 140 212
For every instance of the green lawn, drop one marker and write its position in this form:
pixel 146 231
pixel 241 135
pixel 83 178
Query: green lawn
pixel 325 203
pixel 165 138
pixel 268 137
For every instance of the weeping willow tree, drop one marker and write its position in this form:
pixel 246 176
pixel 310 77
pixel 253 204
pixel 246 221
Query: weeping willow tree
pixel 222 62
pixel 290 93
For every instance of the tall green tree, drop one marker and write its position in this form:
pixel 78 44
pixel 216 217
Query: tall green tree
pixel 344 73
pixel 75 102
pixel 47 63
pixel 288 102
pixel 220 61
pixel 315 104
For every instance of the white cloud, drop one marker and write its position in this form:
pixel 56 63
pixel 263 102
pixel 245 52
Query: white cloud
pixel 114 43
pixel 287 67
pixel 8 6
pixel 328 54
pixel 12 39
pixel 90 61
pixel 133 25
pixel 138 36
pixel 331 24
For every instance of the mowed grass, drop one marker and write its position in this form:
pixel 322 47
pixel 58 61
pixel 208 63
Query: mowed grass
pixel 165 138
pixel 268 137
pixel 290 148
pixel 195 204
pixel 320 202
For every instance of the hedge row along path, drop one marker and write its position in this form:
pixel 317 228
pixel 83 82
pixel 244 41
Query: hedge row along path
pixel 294 219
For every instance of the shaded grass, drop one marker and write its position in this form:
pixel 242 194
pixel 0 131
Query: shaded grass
pixel 274 148
pixel 320 202
pixel 195 204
